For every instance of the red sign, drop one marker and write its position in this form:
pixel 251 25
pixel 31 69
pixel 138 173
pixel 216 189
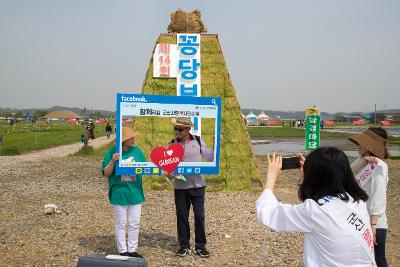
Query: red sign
pixel 168 158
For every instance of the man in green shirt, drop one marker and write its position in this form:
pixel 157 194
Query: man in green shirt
pixel 125 194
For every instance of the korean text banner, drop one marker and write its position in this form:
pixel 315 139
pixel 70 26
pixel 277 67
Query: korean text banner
pixel 312 131
pixel 188 81
pixel 165 61
pixel 138 105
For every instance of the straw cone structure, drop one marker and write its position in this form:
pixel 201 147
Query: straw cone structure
pixel 238 169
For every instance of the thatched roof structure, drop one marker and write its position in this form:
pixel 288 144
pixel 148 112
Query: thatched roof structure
pixel 238 168
pixel 62 114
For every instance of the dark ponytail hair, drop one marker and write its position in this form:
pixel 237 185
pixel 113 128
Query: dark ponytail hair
pixel 327 172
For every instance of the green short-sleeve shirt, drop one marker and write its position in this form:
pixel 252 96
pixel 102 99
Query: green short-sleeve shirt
pixel 124 190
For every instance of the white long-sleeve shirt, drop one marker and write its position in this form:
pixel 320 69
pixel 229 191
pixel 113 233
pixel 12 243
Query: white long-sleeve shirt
pixel 336 233
pixel 373 178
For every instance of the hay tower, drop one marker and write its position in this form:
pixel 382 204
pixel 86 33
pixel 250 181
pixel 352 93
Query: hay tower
pixel 238 169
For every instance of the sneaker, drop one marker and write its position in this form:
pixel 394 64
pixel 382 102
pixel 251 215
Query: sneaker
pixel 135 255
pixel 202 252
pixel 183 252
pixel 124 253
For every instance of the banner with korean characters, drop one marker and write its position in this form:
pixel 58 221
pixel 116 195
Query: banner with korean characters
pixel 165 61
pixel 161 106
pixel 188 80
pixel 312 125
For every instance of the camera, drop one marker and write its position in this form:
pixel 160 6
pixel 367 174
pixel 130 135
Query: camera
pixel 289 163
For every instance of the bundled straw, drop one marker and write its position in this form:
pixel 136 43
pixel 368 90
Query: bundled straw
pixel 238 169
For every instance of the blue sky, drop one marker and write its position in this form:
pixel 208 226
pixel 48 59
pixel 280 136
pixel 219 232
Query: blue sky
pixel 282 55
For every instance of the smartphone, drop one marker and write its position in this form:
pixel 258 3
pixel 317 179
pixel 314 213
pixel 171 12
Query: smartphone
pixel 289 163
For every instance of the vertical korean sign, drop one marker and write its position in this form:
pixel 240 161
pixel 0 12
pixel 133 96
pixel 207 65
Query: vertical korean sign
pixel 312 129
pixel 188 81
pixel 164 61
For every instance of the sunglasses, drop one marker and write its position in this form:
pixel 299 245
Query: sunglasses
pixel 179 129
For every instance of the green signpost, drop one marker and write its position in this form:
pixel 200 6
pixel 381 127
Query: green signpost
pixel 312 130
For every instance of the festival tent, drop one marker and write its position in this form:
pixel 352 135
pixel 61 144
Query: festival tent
pixel 359 122
pixel 386 123
pixel 251 116
pixel 126 121
pixel 251 119
pixel 329 122
pixel 262 116
pixel 72 121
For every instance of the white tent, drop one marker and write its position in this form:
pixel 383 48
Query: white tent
pixel 263 117
pixel 251 116
pixel 251 119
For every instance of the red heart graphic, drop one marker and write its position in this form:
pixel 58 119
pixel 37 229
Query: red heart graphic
pixel 167 158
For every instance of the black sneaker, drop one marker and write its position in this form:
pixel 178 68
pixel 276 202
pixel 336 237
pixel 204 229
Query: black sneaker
pixel 183 252
pixel 135 255
pixel 124 253
pixel 202 252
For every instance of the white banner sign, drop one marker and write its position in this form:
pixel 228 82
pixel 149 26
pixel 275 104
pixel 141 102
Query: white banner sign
pixel 165 61
pixel 188 80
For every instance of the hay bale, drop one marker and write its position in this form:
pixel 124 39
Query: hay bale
pixel 183 22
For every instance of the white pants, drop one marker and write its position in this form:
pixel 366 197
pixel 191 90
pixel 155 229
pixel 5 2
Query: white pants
pixel 131 214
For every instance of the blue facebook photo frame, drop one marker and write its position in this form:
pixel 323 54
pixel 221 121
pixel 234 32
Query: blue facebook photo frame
pixel 168 106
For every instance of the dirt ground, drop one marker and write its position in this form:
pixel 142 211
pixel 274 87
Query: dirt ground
pixel 30 238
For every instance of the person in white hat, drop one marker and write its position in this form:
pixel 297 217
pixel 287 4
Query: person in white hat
pixel 371 173
pixel 189 190
pixel 125 194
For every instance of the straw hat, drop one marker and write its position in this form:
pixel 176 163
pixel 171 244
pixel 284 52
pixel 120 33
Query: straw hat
pixel 127 133
pixel 182 122
pixel 371 142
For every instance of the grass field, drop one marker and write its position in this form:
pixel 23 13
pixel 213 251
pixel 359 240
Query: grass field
pixel 22 137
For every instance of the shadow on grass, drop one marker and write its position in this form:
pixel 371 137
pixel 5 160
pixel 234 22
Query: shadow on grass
pixel 158 240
